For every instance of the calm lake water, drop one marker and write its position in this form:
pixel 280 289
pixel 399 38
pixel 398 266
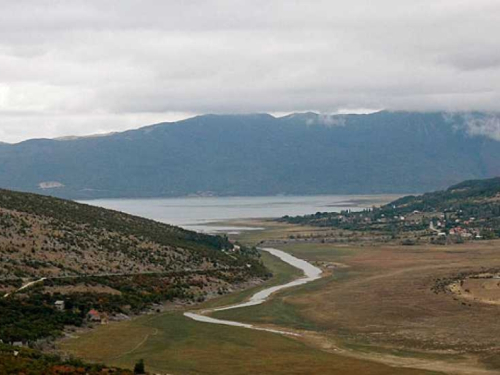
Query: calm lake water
pixel 197 212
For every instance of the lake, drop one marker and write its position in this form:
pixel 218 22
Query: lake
pixel 195 213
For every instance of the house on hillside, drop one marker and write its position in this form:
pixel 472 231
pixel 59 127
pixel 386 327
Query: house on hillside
pixel 59 305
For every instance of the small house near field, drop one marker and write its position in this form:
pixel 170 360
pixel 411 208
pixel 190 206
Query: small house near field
pixel 93 316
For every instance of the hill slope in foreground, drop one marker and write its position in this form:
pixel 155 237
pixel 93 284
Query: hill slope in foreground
pixel 111 262
pixel 231 155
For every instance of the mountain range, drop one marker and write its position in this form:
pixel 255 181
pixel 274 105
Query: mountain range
pixel 259 154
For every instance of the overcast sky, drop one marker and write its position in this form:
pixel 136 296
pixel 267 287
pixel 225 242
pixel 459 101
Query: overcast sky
pixel 83 67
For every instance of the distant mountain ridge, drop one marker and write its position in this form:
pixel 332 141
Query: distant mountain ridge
pixel 258 154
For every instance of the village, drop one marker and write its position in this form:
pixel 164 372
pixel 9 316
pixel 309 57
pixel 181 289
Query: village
pixel 390 223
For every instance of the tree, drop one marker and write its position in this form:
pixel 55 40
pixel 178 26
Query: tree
pixel 139 367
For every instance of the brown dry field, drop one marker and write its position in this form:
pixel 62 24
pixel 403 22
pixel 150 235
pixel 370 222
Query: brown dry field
pixel 385 296
pixel 375 302
pixel 478 290
pixel 381 302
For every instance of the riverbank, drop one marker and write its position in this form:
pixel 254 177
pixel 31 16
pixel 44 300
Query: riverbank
pixel 374 312
pixel 172 343
pixel 310 272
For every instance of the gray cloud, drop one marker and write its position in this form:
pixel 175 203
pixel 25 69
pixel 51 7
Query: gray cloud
pixel 488 125
pixel 79 67
pixel 475 124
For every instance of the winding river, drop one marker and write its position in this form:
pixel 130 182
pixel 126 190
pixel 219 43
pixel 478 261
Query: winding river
pixel 311 273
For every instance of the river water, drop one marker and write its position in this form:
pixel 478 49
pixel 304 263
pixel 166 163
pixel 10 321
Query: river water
pixel 311 273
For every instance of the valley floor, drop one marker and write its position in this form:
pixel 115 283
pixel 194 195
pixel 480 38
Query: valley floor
pixel 376 311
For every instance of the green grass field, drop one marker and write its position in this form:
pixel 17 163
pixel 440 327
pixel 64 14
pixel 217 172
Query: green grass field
pixel 171 343
pixel 278 311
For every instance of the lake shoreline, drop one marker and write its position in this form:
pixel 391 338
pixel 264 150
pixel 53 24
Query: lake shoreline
pixel 200 213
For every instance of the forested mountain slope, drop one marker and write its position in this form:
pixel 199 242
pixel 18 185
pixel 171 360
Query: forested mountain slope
pixel 307 153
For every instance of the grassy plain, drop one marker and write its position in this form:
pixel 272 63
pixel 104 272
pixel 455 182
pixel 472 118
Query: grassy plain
pixel 171 343
pixel 374 312
pixel 381 303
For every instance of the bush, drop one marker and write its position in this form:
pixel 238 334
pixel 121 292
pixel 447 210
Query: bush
pixel 139 367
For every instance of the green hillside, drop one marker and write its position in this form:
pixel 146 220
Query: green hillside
pixel 468 210
pixel 114 263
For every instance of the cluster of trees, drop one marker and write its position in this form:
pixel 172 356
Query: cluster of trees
pixel 32 315
pixel 27 361
pixel 33 318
